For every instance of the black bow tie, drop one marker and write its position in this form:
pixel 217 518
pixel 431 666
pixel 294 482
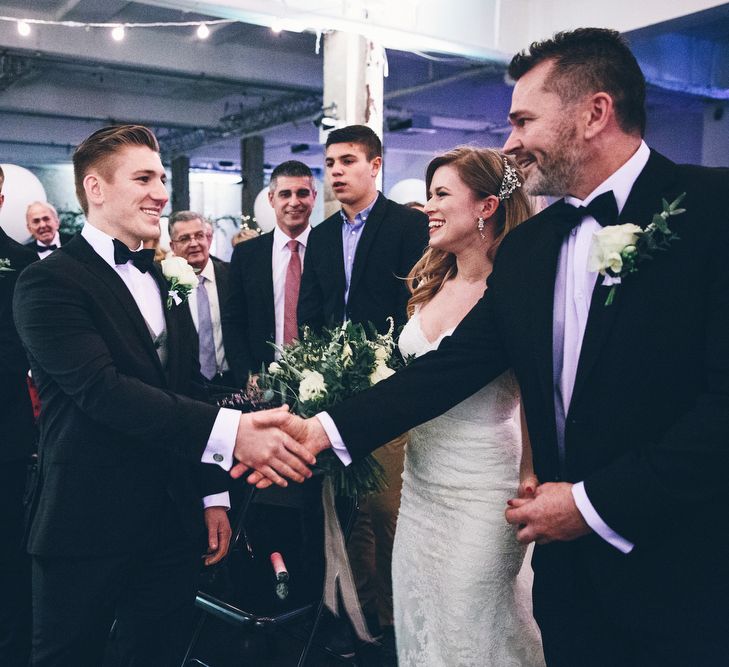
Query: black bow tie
pixel 603 208
pixel 39 247
pixel 142 259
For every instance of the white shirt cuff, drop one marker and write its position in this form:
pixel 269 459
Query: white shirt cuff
pixel 221 442
pixel 593 519
pixel 217 500
pixel 330 428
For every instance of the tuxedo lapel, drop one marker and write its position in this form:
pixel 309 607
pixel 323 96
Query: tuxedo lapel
pixel 541 266
pixel 172 330
pixel 116 296
pixel 653 183
pixel 264 277
pixel 369 233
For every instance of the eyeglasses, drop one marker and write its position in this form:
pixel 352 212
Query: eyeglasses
pixel 185 239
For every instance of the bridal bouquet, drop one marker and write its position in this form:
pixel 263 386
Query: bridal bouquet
pixel 315 373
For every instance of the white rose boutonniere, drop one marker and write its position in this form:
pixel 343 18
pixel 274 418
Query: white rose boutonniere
pixel 617 250
pixel 5 266
pixel 181 279
pixel 312 385
pixel 274 367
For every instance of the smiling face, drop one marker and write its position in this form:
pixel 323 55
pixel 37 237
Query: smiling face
pixel 126 197
pixel 453 211
pixel 544 137
pixel 190 240
pixel 42 223
pixel 292 199
pixel 351 175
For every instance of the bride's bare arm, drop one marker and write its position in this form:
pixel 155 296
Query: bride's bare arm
pixel 527 479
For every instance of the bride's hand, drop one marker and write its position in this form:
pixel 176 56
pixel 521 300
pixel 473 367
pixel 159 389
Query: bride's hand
pixel 528 486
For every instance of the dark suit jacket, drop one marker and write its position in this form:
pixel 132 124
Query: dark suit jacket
pixel 16 413
pixel 65 238
pixel 249 311
pixel 393 239
pixel 648 425
pixel 119 436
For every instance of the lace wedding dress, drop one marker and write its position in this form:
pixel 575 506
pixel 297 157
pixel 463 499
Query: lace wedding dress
pixel 459 597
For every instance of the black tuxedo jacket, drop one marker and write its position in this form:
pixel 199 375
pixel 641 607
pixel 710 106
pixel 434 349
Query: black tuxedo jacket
pixel 63 236
pixel 648 425
pixel 249 312
pixel 16 413
pixel 119 436
pixel 393 239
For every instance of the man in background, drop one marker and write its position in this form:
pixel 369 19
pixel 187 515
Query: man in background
pixel 189 239
pixel 354 268
pixel 41 219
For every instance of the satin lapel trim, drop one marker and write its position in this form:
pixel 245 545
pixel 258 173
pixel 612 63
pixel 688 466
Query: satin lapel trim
pixel 116 287
pixel 644 200
pixel 173 343
pixel 542 268
pixel 371 227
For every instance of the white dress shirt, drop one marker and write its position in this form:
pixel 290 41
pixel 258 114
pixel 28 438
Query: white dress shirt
pixel 44 253
pixel 145 292
pixel 279 263
pixel 211 287
pixel 573 294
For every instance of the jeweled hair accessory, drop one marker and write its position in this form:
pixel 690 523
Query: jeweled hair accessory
pixel 510 182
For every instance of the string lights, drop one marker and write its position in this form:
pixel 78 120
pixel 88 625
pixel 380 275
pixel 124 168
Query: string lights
pixel 118 30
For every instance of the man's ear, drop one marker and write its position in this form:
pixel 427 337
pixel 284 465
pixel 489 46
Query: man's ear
pixel 598 111
pixel 93 189
pixel 376 165
pixel 270 197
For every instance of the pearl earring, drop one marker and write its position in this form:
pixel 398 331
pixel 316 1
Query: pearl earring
pixel 481 223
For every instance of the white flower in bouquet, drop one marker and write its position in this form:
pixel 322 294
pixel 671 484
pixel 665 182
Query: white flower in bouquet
pixel 610 245
pixel 381 372
pixel 312 385
pixel 382 354
pixel 179 269
pixel 346 354
pixel 274 367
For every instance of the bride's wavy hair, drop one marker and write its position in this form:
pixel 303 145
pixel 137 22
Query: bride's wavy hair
pixel 482 170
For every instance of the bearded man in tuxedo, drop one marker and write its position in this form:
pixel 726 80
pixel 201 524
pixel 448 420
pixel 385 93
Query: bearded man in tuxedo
pixel 118 527
pixel 626 399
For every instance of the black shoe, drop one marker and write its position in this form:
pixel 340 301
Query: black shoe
pixel 336 636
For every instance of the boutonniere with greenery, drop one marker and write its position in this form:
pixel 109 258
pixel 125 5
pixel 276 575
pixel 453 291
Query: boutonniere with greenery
pixel 181 280
pixel 617 250
pixel 5 266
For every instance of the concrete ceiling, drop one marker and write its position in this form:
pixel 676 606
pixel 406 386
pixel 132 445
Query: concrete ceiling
pixel 61 83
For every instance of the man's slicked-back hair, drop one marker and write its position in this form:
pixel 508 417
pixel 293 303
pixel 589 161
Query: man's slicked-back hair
pixel 98 151
pixel 587 61
pixel 183 216
pixel 292 169
pixel 357 134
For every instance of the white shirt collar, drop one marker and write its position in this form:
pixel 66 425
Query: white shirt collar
pixel 621 181
pixel 209 271
pixel 280 239
pixel 101 242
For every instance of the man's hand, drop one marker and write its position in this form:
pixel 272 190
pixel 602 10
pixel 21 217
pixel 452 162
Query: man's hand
pixel 262 444
pixel 308 432
pixel 551 514
pixel 216 521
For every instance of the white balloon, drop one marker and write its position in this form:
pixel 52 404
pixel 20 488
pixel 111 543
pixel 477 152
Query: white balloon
pixel 21 188
pixel 263 211
pixel 407 190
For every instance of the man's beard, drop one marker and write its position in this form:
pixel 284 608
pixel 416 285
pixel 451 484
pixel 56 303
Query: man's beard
pixel 559 167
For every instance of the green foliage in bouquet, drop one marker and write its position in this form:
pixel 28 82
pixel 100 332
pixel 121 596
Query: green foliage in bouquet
pixel 319 371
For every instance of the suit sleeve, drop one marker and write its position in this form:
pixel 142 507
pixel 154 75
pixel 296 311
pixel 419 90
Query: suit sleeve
pixel 310 310
pixel 236 319
pixel 56 325
pixel 430 385
pixel 688 466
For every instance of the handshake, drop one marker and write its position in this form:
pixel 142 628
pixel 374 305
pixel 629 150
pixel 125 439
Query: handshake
pixel 276 445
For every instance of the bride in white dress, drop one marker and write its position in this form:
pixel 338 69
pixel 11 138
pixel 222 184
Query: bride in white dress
pixel 459 599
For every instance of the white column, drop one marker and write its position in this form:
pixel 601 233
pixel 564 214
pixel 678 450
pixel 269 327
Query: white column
pixel 353 87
